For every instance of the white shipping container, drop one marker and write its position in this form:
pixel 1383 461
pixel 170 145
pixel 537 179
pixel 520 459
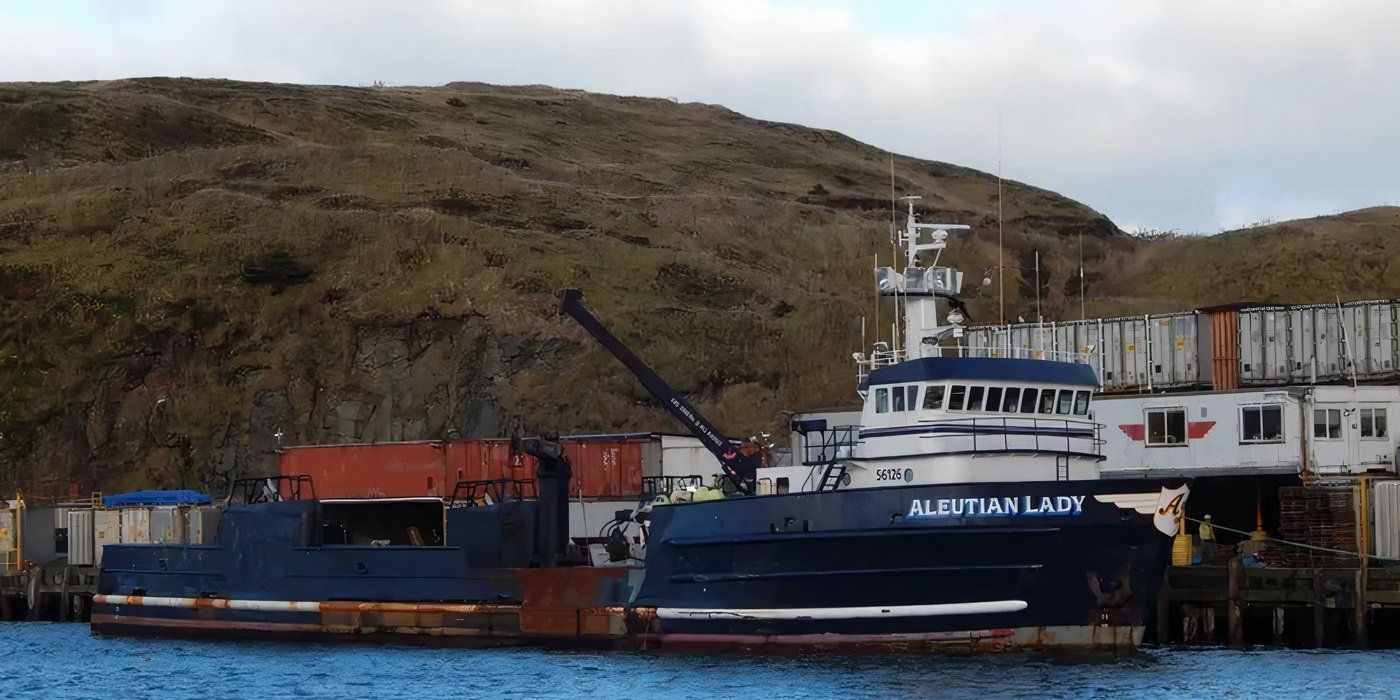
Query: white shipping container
pixel 82 550
pixel 167 525
pixel 136 525
pixel 203 524
pixel 106 529
pixel 1386 505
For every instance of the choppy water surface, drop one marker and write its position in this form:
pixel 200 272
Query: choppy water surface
pixel 66 661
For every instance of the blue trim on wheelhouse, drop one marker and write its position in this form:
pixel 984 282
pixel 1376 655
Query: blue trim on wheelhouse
pixel 996 369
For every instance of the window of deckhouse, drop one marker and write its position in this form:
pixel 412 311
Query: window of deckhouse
pixel 1081 403
pixel 993 398
pixel 933 396
pixel 882 400
pixel 974 397
pixel 898 404
pixel 1028 398
pixel 1012 400
pixel 957 396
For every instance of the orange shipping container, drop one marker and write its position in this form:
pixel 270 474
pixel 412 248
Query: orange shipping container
pixel 603 467
pixel 394 470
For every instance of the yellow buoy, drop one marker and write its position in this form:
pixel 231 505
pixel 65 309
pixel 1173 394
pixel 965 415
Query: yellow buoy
pixel 1181 547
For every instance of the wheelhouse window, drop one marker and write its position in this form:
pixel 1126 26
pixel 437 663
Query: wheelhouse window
pixel 933 397
pixel 1261 424
pixel 974 397
pixel 1081 403
pixel 1047 401
pixel 1327 423
pixel 957 397
pixel 1166 427
pixel 882 400
pixel 898 399
pixel 993 398
pixel 1028 398
pixel 1066 402
pixel 913 392
pixel 1373 424
pixel 1011 400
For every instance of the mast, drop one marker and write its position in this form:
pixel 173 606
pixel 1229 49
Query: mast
pixel 917 290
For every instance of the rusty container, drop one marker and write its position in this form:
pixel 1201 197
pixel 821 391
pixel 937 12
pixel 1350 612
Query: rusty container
pixel 387 470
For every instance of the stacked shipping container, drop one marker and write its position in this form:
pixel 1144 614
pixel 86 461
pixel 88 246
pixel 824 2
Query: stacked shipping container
pixel 604 466
pixel 1221 348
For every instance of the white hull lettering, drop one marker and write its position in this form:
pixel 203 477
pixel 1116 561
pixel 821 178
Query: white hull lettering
pixel 1004 507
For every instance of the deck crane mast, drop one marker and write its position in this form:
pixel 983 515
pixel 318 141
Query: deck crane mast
pixel 740 465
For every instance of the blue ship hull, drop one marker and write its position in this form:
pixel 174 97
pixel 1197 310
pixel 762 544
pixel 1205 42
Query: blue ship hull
pixel 884 567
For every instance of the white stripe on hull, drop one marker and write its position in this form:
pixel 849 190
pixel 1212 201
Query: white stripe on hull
pixel 853 613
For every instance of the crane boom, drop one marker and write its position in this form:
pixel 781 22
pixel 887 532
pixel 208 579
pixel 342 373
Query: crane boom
pixel 740 469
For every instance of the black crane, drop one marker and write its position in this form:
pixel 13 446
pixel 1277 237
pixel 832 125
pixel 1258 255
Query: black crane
pixel 740 469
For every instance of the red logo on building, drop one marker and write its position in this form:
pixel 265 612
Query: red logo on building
pixel 1195 430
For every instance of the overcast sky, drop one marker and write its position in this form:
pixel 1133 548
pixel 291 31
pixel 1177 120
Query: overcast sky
pixel 1166 114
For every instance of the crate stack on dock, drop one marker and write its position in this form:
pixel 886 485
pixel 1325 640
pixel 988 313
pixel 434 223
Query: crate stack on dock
pixel 1318 517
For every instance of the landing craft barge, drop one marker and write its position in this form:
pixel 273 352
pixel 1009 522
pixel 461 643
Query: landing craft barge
pixel 967 512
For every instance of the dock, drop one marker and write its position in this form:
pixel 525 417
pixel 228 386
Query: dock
pixel 53 592
pixel 1243 605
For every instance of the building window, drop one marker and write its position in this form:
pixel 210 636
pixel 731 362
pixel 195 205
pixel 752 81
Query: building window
pixel 1327 423
pixel 993 398
pixel 1166 427
pixel 974 398
pixel 1261 424
pixel 898 399
pixel 956 397
pixel 933 397
pixel 882 400
pixel 1066 402
pixel 1374 424
pixel 1047 401
pixel 1028 400
pixel 1013 397
pixel 913 392
pixel 1081 403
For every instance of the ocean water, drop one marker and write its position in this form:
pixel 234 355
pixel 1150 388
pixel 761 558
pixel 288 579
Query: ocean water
pixel 52 660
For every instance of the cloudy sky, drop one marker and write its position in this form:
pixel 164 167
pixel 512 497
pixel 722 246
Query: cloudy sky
pixel 1169 114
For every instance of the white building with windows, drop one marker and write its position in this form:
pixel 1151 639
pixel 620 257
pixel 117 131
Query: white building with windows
pixel 1324 430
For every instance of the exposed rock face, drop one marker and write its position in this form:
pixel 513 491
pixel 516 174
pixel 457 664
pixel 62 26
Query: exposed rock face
pixel 193 273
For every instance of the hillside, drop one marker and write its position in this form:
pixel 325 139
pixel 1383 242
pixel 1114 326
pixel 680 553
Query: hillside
pixel 193 272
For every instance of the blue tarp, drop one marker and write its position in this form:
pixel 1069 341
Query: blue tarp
pixel 172 497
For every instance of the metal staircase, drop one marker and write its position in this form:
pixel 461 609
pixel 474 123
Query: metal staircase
pixel 837 445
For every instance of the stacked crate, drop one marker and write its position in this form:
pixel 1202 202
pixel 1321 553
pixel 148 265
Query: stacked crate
pixel 1321 518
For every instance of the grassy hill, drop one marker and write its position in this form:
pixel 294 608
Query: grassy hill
pixel 193 272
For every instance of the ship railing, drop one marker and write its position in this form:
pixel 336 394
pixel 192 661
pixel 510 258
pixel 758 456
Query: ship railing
pixel 482 492
pixel 876 360
pixel 1009 434
pixel 1080 358
pixel 835 444
pixel 271 489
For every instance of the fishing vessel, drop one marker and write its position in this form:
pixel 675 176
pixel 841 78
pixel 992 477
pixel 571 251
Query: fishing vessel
pixel 966 511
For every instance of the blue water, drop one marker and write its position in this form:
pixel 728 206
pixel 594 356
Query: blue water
pixel 66 661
